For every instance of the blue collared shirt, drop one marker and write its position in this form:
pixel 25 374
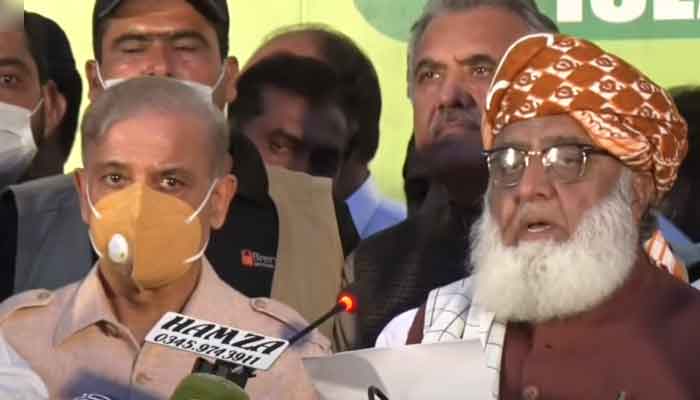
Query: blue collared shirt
pixel 371 212
pixel 681 244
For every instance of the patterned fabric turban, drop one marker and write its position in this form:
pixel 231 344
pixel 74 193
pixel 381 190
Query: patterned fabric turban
pixel 622 110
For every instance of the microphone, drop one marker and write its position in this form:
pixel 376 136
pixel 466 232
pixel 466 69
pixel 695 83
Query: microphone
pixel 225 380
pixel 347 301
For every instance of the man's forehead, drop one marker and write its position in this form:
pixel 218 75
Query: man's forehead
pixel 162 16
pixel 542 132
pixel 152 138
pixel 460 35
pixel 14 51
pixel 14 43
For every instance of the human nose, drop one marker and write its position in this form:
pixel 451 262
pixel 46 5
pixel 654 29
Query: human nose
pixel 535 182
pixel 455 92
pixel 159 61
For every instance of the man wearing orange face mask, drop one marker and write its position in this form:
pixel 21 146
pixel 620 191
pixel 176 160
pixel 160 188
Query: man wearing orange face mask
pixel 155 184
pixel 277 219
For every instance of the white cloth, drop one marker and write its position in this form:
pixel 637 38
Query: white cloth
pixel 17 380
pixel 371 212
pixel 451 315
pixel 395 334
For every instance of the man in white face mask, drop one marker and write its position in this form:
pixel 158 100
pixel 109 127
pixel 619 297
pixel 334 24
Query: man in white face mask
pixel 31 106
pixel 156 182
pixel 191 46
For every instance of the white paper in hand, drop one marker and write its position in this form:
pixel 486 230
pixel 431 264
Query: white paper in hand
pixel 446 371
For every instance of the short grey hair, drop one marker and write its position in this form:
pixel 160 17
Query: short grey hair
pixel 139 96
pixel 525 9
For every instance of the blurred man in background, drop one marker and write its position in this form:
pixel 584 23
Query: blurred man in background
pixel 290 108
pixel 361 98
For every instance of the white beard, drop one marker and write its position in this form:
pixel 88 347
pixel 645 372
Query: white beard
pixel 545 280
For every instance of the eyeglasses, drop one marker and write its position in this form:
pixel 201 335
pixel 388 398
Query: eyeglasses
pixel 565 163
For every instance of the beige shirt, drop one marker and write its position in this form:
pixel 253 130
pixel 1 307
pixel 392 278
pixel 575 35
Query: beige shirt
pixel 17 380
pixel 73 340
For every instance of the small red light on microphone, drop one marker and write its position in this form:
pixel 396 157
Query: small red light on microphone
pixel 348 302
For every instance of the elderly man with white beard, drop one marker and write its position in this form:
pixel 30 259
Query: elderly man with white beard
pixel 573 294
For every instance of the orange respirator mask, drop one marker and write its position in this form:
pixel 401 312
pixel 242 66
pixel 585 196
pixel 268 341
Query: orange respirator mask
pixel 158 235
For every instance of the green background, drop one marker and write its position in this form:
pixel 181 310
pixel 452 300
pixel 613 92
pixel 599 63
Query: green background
pixel 667 51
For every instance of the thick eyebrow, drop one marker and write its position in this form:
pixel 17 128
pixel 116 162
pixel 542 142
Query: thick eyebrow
pixel 545 143
pixel 478 59
pixel 14 62
pixel 427 63
pixel 169 36
pixel 111 165
pixel 132 37
pixel 562 140
pixel 180 35
pixel 176 171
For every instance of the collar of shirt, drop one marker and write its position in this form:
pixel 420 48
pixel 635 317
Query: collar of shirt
pixel 90 306
pixel 364 203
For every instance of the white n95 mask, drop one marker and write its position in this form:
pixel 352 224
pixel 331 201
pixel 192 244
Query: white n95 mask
pixel 17 144
pixel 205 92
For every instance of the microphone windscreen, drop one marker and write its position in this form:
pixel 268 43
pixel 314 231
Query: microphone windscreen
pixel 209 387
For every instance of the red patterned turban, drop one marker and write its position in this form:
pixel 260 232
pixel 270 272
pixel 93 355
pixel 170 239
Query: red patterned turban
pixel 622 110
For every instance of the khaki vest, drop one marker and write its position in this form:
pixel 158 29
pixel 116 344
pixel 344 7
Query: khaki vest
pixel 309 253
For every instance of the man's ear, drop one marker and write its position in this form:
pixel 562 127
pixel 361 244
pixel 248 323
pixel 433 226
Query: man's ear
pixel 55 106
pixel 644 194
pixel 93 80
pixel 221 198
pixel 80 181
pixel 231 66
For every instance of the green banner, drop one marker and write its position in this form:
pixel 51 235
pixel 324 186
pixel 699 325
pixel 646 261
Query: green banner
pixel 626 19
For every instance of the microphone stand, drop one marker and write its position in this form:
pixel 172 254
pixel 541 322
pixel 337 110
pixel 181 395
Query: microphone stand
pixel 240 374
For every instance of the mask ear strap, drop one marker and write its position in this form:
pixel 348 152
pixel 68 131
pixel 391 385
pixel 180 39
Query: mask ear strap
pixel 97 214
pixel 99 75
pixel 38 106
pixel 204 202
pixel 199 254
pixel 94 246
pixel 221 77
